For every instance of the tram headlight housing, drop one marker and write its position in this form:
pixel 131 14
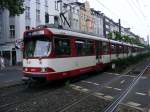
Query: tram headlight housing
pixel 26 69
pixel 43 70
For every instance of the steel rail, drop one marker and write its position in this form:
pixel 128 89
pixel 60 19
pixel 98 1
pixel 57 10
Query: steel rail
pixel 113 106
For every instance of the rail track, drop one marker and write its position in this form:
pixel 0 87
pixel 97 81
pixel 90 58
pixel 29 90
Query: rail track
pixel 107 105
pixel 20 95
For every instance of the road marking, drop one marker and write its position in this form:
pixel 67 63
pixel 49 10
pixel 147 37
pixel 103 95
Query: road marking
pixel 144 77
pixel 149 93
pixel 98 93
pixel 129 76
pixel 91 83
pixel 76 87
pixel 84 90
pixel 118 89
pixel 8 81
pixel 143 94
pixel 122 81
pixel 108 87
pixel 109 97
pixel 112 73
pixel 79 88
pixel 133 103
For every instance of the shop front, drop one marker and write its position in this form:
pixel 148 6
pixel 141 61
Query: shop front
pixel 11 55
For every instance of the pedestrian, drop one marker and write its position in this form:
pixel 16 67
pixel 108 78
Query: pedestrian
pixel 2 62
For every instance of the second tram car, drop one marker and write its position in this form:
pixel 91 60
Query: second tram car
pixel 52 53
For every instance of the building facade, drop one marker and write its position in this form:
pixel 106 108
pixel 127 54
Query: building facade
pixel 13 27
pixel 71 14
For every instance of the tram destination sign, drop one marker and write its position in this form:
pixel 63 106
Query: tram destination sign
pixel 34 33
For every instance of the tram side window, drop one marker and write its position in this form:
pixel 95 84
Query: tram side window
pixel 133 49
pixel 113 48
pixel 126 49
pixel 62 47
pixel 89 48
pixel 105 47
pixel 120 49
pixel 81 47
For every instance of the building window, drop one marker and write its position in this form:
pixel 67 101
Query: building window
pixel 56 5
pixel 12 31
pixel 38 1
pixel 113 48
pixel 37 4
pixel 46 3
pixel 37 14
pixel 27 27
pixel 27 12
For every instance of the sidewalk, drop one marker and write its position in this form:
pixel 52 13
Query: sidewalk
pixel 9 68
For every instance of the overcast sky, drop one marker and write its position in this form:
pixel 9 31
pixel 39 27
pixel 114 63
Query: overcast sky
pixel 133 13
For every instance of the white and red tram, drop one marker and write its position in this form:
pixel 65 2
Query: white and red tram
pixel 52 53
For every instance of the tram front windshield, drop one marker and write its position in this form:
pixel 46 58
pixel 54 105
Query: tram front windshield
pixel 37 47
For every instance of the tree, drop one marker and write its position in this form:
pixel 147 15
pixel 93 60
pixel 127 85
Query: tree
pixel 14 6
pixel 109 35
pixel 126 38
pixel 118 36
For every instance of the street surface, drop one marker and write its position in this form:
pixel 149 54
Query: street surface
pixel 93 92
pixel 139 97
pixel 10 75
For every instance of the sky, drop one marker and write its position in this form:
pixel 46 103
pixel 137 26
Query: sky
pixel 134 14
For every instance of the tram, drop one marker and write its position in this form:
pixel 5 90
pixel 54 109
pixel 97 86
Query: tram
pixel 52 53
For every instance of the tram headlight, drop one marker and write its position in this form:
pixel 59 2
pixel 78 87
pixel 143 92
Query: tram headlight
pixel 43 70
pixel 26 69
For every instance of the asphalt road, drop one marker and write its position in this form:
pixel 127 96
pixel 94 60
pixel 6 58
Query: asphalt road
pixel 139 97
pixel 10 75
pixel 87 94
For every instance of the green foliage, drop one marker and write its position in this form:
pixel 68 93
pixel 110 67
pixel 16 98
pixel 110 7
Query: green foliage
pixel 121 64
pixel 14 6
pixel 109 35
pixel 118 36
pixel 126 38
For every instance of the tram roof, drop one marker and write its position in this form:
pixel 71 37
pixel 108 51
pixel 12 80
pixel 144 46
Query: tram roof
pixel 82 35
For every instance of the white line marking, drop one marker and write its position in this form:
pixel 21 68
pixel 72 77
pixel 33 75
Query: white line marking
pixel 144 77
pixel 8 81
pixel 79 88
pixel 143 94
pixel 99 94
pixel 109 97
pixel 122 81
pixel 118 89
pixel 91 83
pixel 85 90
pixel 129 75
pixel 112 73
pixel 108 87
pixel 133 104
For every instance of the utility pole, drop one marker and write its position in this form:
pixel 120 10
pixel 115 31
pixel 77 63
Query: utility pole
pixel 104 26
pixel 148 40
pixel 120 27
pixel 61 9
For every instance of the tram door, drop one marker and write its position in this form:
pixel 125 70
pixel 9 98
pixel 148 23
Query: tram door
pixel 98 51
